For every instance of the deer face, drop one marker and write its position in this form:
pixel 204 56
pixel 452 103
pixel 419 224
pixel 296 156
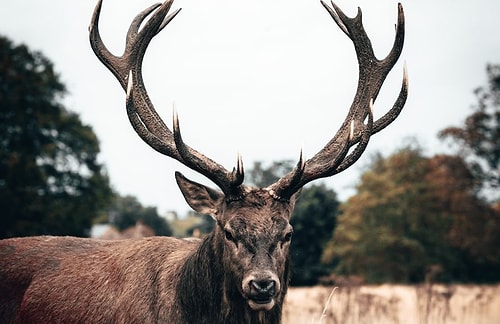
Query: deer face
pixel 255 234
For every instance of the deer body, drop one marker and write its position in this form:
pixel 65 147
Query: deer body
pixel 75 280
pixel 152 280
pixel 239 273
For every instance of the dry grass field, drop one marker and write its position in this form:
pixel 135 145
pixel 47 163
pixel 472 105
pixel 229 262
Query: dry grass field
pixel 435 304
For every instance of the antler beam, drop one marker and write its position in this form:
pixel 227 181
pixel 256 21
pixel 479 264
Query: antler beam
pixel 335 156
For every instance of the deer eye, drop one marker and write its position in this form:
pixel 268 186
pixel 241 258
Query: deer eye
pixel 229 236
pixel 288 237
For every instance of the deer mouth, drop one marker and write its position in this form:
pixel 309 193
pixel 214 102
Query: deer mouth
pixel 260 289
pixel 262 300
pixel 261 303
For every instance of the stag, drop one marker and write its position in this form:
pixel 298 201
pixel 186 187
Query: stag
pixel 239 273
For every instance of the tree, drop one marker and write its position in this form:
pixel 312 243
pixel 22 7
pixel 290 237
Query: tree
pixel 313 221
pixel 474 225
pixel 477 140
pixel 373 237
pixel 261 176
pixel 127 211
pixel 50 179
pixel 411 214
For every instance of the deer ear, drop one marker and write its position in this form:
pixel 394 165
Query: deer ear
pixel 202 199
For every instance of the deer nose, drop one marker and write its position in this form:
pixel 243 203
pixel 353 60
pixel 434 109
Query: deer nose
pixel 262 289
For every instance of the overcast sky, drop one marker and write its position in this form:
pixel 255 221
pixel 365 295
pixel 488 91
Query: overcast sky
pixel 264 78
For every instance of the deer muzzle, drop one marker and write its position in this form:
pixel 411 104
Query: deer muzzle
pixel 260 289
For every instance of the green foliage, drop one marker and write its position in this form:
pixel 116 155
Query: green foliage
pixel 127 211
pixel 373 236
pixel 412 214
pixel 477 140
pixel 261 176
pixel 313 221
pixel 50 179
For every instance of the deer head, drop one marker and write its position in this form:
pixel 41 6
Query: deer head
pixel 253 223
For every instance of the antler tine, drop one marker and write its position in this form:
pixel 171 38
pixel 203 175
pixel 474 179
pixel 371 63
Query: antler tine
pixel 360 148
pixel 392 114
pixel 228 182
pixel 140 110
pixel 335 156
pixel 101 51
pixel 336 15
pixel 294 178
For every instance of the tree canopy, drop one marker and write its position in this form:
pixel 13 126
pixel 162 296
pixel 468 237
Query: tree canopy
pixel 313 221
pixel 412 214
pixel 477 139
pixel 50 179
pixel 126 211
pixel 263 176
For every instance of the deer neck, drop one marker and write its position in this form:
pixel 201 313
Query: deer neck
pixel 204 282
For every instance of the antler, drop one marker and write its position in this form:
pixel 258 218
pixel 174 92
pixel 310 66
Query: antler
pixel 141 112
pixel 335 156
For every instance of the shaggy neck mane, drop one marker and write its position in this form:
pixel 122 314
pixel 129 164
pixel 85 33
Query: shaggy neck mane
pixel 204 283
